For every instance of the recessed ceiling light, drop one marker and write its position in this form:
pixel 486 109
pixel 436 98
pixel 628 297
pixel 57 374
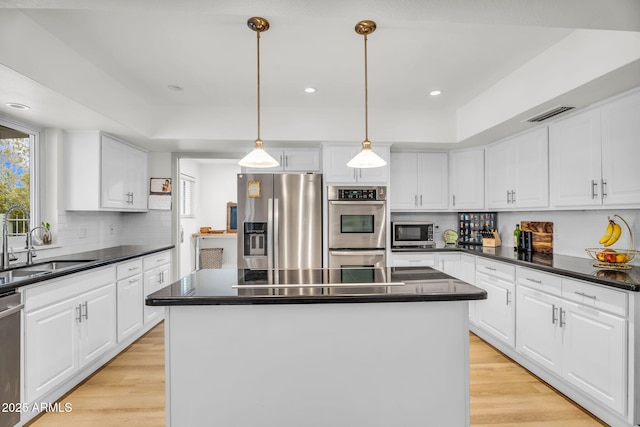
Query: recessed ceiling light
pixel 435 92
pixel 175 88
pixel 17 106
pixel 310 89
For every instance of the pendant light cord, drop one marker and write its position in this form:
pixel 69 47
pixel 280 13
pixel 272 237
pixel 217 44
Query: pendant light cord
pixel 366 93
pixel 258 62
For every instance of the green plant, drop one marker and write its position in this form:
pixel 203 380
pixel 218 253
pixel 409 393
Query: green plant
pixel 46 225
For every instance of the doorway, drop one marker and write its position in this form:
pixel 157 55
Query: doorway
pixel 206 186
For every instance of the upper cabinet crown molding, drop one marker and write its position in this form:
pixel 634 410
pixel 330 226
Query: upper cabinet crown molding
pixel 103 173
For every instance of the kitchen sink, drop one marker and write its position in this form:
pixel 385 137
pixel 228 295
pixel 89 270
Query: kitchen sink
pixel 53 265
pixel 39 269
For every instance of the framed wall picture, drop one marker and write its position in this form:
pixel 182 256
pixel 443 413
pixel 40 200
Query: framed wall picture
pixel 160 186
pixel 232 217
pixel 254 190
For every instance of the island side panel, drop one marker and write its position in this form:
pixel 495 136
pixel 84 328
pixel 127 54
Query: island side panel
pixel 376 364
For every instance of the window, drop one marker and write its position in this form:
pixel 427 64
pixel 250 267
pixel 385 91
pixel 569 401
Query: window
pixel 18 179
pixel 186 195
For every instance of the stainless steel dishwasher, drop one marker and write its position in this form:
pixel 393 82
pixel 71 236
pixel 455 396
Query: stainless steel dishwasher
pixel 10 308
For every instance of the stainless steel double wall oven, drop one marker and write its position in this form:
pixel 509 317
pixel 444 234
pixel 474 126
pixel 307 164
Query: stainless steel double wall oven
pixel 357 217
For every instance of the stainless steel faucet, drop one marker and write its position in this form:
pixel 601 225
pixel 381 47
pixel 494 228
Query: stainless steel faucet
pixel 31 251
pixel 6 256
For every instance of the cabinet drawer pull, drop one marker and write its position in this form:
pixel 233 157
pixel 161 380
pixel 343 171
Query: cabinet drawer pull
pixel 133 268
pixel 554 312
pixel 134 280
pixel 534 280
pixel 586 295
pixel 489 268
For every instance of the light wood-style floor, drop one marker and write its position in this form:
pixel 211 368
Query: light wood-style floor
pixel 129 391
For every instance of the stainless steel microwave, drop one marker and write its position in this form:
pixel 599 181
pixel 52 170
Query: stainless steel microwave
pixel 412 234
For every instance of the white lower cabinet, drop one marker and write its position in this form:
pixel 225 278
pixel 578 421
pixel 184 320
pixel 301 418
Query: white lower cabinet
pixel 449 264
pixel 496 314
pixel 577 331
pixel 157 275
pixel 130 289
pixel 67 326
pixel 413 259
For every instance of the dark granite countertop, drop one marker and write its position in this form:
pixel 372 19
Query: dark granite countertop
pixel 93 259
pixel 574 267
pixel 314 286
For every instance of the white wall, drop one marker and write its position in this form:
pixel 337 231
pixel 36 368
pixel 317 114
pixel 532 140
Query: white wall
pixel 188 226
pixel 218 187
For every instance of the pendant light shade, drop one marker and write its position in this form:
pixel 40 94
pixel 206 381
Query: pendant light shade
pixel 258 157
pixel 366 158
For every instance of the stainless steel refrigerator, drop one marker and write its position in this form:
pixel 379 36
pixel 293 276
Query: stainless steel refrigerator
pixel 279 221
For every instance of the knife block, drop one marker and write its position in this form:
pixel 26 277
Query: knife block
pixel 492 242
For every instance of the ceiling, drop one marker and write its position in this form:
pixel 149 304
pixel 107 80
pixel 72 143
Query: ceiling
pixel 108 65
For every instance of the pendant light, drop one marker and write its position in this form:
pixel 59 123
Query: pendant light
pixel 258 157
pixel 366 158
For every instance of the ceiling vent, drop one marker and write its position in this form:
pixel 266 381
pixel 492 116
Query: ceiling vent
pixel 549 113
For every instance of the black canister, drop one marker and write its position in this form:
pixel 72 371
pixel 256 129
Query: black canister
pixel 527 241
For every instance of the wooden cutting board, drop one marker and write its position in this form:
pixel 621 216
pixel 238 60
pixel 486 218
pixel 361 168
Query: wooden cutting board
pixel 542 233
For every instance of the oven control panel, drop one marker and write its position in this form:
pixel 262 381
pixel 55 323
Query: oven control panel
pixel 357 193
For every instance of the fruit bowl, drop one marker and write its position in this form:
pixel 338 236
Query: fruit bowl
pixel 612 258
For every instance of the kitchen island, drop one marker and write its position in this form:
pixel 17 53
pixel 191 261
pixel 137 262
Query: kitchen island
pixel 339 347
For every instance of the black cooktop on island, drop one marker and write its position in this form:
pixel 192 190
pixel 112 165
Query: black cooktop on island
pixel 310 286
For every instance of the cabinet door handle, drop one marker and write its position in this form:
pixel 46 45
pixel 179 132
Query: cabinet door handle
pixel 554 312
pixel 586 295
pixel 604 188
pixel 454 200
pixel 508 197
pixel 86 310
pixel 513 196
pixel 421 200
pixel 594 189
pixel 534 280
pixel 562 317
pixel 79 313
pixel 286 161
pixel 508 297
pixel 415 200
pixel 280 159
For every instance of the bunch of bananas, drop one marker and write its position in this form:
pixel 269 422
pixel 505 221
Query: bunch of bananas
pixel 612 234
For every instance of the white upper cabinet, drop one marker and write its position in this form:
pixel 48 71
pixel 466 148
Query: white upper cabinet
pixel 517 172
pixel 104 173
pixel 336 171
pixel 124 176
pixel 418 181
pixel 466 179
pixel 594 156
pixel 292 160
